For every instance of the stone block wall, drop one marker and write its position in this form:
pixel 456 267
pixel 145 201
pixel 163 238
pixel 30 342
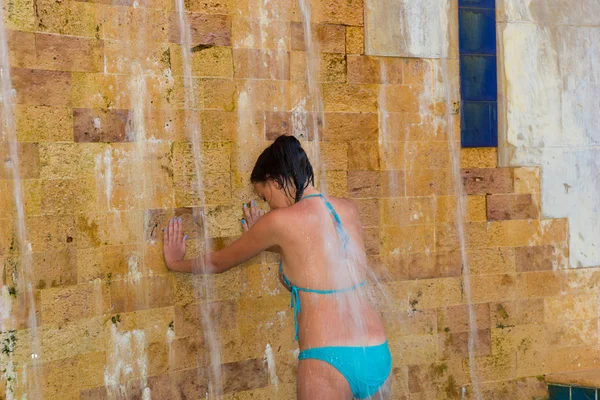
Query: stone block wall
pixel 101 114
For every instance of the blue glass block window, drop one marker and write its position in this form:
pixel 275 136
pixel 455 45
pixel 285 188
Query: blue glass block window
pixel 478 75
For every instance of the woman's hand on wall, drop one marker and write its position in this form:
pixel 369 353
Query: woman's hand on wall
pixel 252 214
pixel 174 244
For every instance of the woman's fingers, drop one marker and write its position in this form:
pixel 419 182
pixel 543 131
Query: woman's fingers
pixel 246 212
pixel 172 231
pixel 177 230
pixel 244 225
pixel 254 210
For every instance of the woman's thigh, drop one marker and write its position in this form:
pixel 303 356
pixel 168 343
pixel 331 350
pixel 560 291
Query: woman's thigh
pixel 319 380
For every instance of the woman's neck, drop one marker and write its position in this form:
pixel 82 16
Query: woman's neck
pixel 310 190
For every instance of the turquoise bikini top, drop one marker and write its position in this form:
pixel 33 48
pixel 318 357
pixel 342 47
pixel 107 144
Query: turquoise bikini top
pixel 295 301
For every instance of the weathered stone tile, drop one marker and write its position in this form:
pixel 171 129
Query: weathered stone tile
pixel 51 233
pixel 427 182
pixel 571 307
pixel 340 12
pixel 68 304
pixel 69 53
pixel 331 37
pixel 363 184
pixel 344 126
pixel 414 348
pixel 510 313
pixel 493 367
pixel 403 323
pixel 41 87
pixel 68 18
pixel 536 258
pixel 100 125
pixel 368 210
pixel 261 64
pixel 21 48
pixel 42 123
pixel 516 206
pixel 350 97
pixel 410 239
pixel 254 33
pixel 363 156
pixel 29 162
pixel 447 375
pixel 54 269
pixel 539 284
pixel 392 183
pixel 206 29
pixel 480 157
pixel 486 288
pixel 456 318
pixel 434 293
pixel 223 316
pixel 573 333
pixel 244 375
pixel 488 180
pixel 456 345
pixel 355 41
pixel 210 6
pixel 366 69
pixel 573 358
pixel 62 378
pixel 137 292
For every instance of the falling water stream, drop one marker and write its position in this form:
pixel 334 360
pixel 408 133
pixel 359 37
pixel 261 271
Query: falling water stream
pixel 203 286
pixel 317 108
pixel 461 209
pixel 125 342
pixel 32 371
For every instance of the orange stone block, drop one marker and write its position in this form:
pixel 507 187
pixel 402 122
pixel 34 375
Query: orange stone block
pixel 486 288
pixel 366 69
pixel 407 211
pixel 343 126
pixel 481 157
pixel 417 71
pixel 363 156
pixel 350 97
pixel 40 87
pixel 409 239
pixel 355 41
pixel 253 33
pixel 21 49
pixel 345 12
pixel 67 53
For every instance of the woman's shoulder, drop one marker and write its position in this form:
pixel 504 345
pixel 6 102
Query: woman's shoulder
pixel 348 204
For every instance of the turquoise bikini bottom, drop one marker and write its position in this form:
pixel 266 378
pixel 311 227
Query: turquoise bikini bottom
pixel 365 368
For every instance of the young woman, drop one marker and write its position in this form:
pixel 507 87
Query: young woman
pixel 344 353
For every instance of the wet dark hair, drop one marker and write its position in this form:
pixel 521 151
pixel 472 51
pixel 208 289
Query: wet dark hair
pixel 285 162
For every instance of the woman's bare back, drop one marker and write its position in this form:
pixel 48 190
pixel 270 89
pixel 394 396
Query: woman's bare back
pixel 314 257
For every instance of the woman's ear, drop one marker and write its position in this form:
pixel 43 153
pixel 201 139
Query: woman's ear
pixel 275 184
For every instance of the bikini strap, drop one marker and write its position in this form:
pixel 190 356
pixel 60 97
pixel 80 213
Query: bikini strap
pixel 295 298
pixel 336 218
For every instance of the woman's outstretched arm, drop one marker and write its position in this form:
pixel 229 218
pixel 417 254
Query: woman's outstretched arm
pixel 263 234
